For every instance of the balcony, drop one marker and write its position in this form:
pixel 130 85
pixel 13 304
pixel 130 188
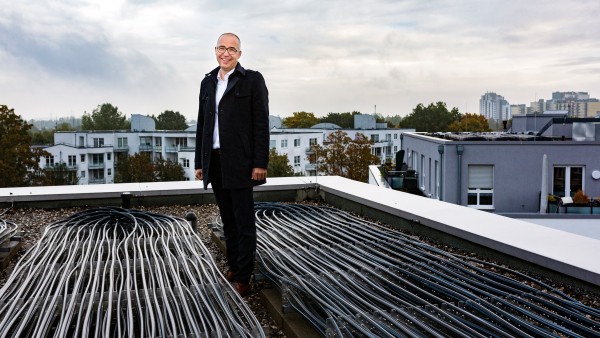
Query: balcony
pixel 310 167
pixel 96 165
pixel 121 149
pixel 96 181
pixel 146 147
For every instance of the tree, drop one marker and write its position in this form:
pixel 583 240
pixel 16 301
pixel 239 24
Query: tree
pixel 170 120
pixel 140 168
pixel 168 171
pixel 344 120
pixel 41 137
pixel 279 165
pixel 359 151
pixel 393 121
pixel 343 156
pixel 105 117
pixel 432 118
pixel 136 168
pixel 59 174
pixel 470 122
pixel 301 120
pixel 19 162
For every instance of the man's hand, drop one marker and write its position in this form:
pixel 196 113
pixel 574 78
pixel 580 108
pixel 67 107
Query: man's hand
pixel 258 174
pixel 199 174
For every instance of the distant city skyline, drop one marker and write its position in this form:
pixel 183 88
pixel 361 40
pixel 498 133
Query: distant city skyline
pixel 64 58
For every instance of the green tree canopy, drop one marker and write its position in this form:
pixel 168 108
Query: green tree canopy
pixel 59 174
pixel 168 171
pixel 105 117
pixel 470 122
pixel 135 168
pixel 300 120
pixel 19 162
pixel 170 120
pixel 433 118
pixel 343 156
pixel 279 165
pixel 344 120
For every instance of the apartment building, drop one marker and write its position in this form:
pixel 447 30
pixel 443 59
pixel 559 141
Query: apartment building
pixel 93 154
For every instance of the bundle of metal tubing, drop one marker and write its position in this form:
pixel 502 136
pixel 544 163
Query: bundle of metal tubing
pixel 8 230
pixel 353 278
pixel 112 272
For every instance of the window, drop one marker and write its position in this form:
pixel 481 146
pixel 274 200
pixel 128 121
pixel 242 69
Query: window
pixel 72 160
pixel 312 141
pixel 395 149
pixel 49 161
pixel 185 162
pixel 422 171
pixel 296 142
pixel 108 172
pixel 297 161
pixel 82 158
pixel 375 137
pixel 388 137
pixel 436 191
pixel 98 142
pixel 108 156
pixel 97 159
pixel 284 143
pixel 395 136
pixel 181 142
pixel 82 174
pixel 122 142
pixel 481 186
pixel 272 144
pixel 567 180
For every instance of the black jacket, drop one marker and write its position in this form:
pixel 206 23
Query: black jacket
pixel 243 127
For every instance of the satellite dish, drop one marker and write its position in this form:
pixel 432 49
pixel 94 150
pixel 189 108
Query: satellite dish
pixel 596 174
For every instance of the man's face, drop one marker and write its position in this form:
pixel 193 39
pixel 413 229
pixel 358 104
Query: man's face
pixel 228 59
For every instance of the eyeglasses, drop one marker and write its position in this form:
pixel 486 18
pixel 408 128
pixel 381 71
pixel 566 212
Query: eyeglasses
pixel 230 50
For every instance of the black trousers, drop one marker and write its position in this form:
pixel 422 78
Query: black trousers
pixel 236 207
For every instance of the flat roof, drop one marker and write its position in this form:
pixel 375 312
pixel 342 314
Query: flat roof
pixel 568 253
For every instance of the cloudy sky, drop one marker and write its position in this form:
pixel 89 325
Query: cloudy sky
pixel 62 58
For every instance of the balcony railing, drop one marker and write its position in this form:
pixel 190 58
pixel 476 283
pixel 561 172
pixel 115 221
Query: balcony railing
pixel 96 165
pixel 120 149
pixel 96 181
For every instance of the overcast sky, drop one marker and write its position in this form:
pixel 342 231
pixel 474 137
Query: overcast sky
pixel 61 58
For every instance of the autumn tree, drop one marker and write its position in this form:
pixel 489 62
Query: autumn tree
pixel 141 168
pixel 279 165
pixel 344 120
pixel 300 120
pixel 342 156
pixel 19 162
pixel 170 120
pixel 359 151
pixel 433 118
pixel 470 123
pixel 105 117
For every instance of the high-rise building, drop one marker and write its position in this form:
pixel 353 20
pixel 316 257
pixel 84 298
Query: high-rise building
pixel 494 106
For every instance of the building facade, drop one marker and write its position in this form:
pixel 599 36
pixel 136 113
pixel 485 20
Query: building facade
pixel 503 173
pixel 93 154
pixel 494 107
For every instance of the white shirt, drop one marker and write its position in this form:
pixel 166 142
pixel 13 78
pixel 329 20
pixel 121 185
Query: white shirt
pixel 221 86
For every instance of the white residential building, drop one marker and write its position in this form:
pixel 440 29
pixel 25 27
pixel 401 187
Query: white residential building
pixel 93 154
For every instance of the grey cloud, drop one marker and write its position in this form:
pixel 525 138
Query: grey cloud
pixel 69 55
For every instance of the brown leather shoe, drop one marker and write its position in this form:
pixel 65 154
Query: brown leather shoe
pixel 242 288
pixel 229 276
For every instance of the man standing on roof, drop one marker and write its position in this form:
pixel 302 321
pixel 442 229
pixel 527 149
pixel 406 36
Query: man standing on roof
pixel 232 151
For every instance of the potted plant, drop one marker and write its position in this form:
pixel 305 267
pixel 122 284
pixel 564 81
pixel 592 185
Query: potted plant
pixel 581 204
